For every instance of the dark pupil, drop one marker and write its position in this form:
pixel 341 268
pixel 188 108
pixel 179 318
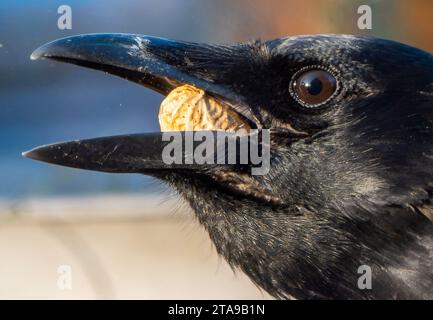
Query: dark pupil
pixel 314 86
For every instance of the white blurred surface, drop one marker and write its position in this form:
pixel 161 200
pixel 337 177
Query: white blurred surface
pixel 118 248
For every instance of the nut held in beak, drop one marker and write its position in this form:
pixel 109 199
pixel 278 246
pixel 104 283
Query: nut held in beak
pixel 187 108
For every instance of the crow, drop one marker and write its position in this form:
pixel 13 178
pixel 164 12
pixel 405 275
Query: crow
pixel 346 209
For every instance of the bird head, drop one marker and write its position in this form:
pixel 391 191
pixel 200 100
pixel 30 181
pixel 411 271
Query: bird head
pixel 350 122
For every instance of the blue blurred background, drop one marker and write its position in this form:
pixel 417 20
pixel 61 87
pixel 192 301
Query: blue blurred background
pixel 43 102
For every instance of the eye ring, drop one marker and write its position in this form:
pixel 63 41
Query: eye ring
pixel 327 75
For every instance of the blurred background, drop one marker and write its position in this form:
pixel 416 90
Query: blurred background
pixel 127 236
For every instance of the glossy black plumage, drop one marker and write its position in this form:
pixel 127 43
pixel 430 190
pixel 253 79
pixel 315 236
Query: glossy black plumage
pixel 354 177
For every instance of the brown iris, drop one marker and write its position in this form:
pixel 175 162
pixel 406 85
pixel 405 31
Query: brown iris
pixel 314 87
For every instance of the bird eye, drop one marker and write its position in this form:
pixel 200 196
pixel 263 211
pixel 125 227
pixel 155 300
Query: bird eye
pixel 313 87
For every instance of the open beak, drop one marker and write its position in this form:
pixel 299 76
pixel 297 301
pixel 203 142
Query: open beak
pixel 159 64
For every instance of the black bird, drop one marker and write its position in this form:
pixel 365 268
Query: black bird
pixel 351 178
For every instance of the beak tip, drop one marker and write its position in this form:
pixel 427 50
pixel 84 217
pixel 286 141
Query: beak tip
pixel 29 154
pixel 39 154
pixel 37 54
pixel 34 56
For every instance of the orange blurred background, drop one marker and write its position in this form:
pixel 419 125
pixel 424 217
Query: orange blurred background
pixel 408 21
